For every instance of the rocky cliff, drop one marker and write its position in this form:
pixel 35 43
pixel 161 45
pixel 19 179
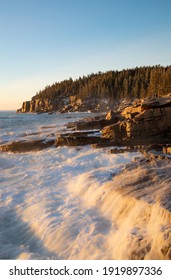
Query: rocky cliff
pixel 145 122
pixel 66 104
pixel 42 105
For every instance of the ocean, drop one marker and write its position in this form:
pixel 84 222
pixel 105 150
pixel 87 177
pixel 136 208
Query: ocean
pixel 79 202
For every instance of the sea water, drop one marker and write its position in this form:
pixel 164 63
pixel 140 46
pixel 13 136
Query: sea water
pixel 78 202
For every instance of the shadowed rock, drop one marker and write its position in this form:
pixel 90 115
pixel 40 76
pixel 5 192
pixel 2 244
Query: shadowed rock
pixel 76 140
pixel 94 124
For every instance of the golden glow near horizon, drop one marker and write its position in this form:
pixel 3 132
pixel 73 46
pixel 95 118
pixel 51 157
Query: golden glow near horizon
pixel 43 43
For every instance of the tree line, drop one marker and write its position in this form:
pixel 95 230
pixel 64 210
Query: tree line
pixel 139 82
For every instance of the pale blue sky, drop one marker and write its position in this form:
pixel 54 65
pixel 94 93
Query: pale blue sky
pixel 44 41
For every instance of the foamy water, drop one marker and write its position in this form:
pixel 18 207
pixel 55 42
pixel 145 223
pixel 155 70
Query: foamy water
pixel 79 203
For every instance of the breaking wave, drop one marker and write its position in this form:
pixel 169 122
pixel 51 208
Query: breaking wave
pixel 84 203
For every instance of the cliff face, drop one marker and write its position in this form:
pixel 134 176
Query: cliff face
pixel 65 104
pixel 84 93
pixel 145 122
pixel 39 105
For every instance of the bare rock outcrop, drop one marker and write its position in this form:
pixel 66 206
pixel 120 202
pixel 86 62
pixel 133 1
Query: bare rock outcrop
pixel 77 138
pixel 26 146
pixel 147 122
pixel 134 125
pixel 65 103
pixel 115 131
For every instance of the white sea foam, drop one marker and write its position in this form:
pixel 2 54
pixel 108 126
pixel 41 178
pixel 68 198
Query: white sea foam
pixel 81 203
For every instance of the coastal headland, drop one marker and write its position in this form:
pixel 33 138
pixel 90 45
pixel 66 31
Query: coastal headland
pixel 135 197
pixel 133 107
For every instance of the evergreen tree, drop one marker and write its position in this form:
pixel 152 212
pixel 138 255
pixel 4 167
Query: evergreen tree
pixel 130 83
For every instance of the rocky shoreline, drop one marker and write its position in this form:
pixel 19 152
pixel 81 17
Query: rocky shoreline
pixel 140 125
pixel 140 189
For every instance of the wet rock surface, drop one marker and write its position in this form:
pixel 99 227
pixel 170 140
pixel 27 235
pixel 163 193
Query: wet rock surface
pixel 26 146
pixel 140 122
pixel 79 138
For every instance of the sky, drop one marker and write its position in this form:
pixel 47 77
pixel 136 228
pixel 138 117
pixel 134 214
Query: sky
pixel 47 41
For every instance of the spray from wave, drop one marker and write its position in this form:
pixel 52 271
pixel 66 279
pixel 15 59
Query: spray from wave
pixel 83 203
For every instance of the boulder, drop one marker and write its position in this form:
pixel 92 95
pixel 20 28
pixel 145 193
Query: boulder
pixel 115 131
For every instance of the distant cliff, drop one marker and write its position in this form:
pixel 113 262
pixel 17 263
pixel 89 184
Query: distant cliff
pixel 96 92
pixel 64 105
pixel 39 105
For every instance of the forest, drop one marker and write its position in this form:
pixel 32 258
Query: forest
pixel 139 82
